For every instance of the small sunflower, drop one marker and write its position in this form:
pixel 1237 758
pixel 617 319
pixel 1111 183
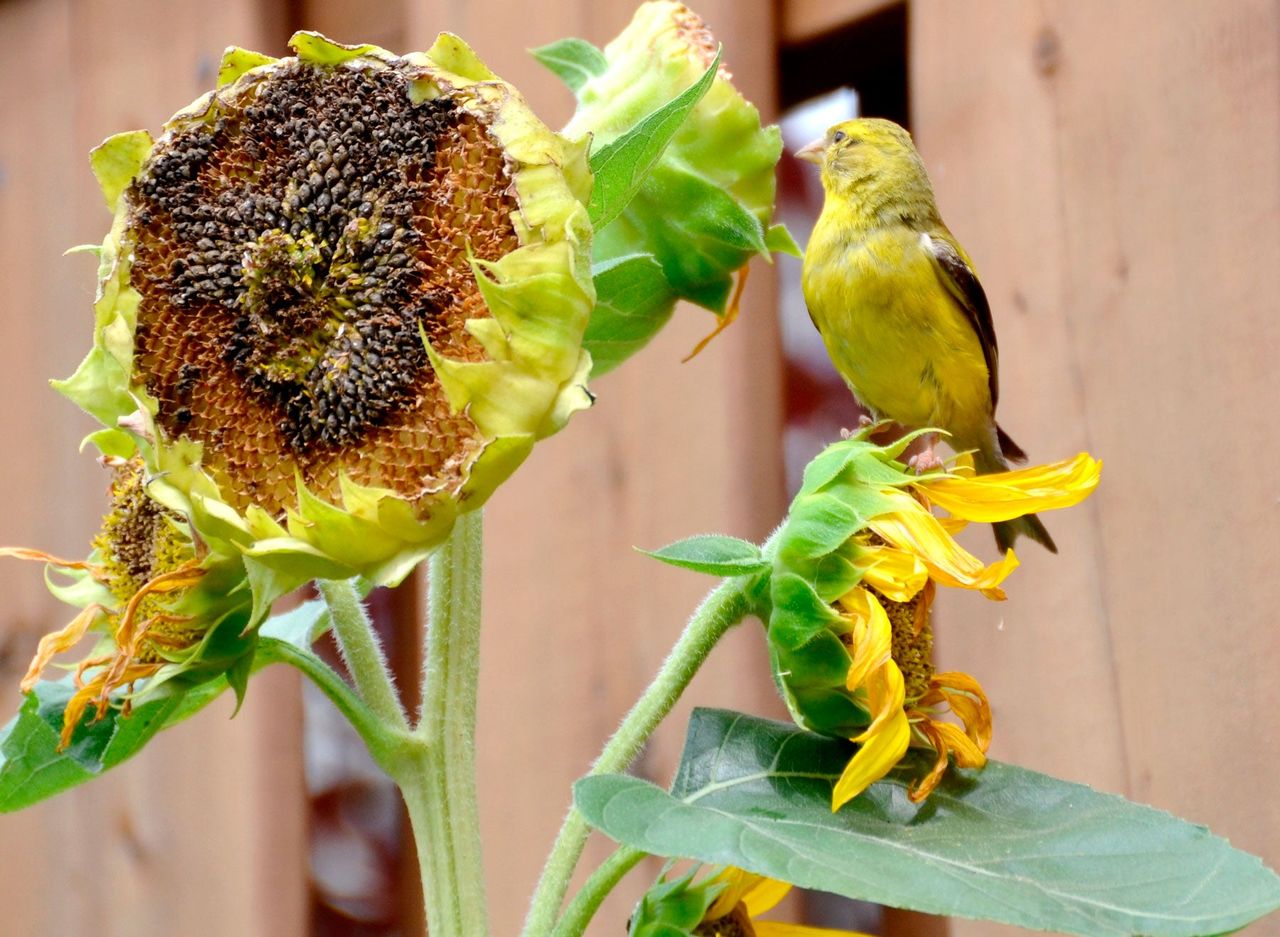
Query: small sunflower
pixel 343 295
pixel 165 608
pixel 726 904
pixel 857 567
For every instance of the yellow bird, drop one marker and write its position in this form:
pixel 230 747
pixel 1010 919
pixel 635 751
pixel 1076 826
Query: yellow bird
pixel 898 304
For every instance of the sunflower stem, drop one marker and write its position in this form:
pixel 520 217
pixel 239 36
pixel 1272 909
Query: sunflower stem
pixel 362 651
pixel 439 779
pixel 723 608
pixel 602 881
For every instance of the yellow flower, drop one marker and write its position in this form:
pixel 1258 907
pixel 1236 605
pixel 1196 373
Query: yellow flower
pixel 164 610
pixel 745 897
pixel 855 573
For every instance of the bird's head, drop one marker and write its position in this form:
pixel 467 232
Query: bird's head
pixel 869 158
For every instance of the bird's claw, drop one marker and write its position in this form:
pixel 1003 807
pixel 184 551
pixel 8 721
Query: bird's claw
pixel 926 461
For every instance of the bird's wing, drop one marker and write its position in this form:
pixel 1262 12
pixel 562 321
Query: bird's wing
pixel 962 283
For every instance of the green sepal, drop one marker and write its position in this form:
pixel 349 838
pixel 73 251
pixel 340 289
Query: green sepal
pixel 237 61
pixel 573 61
pixel 633 303
pixel 621 166
pixel 673 907
pixel 799 612
pixel 116 161
pixel 779 240
pixel 312 47
pixel 714 554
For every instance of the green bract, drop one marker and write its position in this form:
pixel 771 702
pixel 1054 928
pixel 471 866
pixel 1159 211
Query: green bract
pixel 674 907
pixel 342 297
pixel 703 209
pixel 814 566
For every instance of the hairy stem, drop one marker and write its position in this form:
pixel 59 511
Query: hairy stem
pixel 439 779
pixel 602 881
pixel 723 608
pixel 362 652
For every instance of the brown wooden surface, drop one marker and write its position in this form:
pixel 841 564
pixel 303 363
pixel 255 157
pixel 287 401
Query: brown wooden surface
pixel 1112 168
pixel 803 20
pixel 203 834
pixel 576 622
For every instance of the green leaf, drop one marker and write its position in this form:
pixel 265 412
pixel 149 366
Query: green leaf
pixel 715 554
pixel 574 61
pixel 1005 843
pixel 621 166
pixel 779 241
pixel 633 302
pixel 32 768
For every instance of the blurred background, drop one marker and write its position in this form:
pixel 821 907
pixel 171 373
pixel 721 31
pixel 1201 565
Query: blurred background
pixel 1113 168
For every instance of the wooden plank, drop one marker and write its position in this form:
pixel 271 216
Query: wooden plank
pixel 213 802
pixel 576 622
pixel 1113 171
pixel 805 20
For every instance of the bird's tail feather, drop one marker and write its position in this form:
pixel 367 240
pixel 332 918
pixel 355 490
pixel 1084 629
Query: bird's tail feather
pixel 1028 525
pixel 1008 448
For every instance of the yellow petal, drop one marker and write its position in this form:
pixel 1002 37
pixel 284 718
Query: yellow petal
pixel 737 882
pixel 780 929
pixel 872 636
pixel 960 747
pixel 924 787
pixel 51 645
pixel 885 698
pixel 896 574
pixel 764 895
pixel 873 760
pixel 1002 496
pixel 965 697
pixel 914 529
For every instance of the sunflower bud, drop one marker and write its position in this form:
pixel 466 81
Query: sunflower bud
pixel 166 609
pixel 718 169
pixel 343 295
pixel 855 570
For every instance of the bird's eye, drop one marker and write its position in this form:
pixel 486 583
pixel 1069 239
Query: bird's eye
pixel 839 135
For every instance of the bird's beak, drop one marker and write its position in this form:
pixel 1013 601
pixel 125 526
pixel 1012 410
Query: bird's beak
pixel 812 152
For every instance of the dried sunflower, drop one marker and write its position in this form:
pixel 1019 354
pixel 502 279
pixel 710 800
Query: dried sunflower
pixel 343 295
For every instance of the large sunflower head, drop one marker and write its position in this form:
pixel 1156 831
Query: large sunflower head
pixel 163 606
pixel 856 567
pixel 343 295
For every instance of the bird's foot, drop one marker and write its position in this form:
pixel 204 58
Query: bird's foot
pixel 863 422
pixel 925 461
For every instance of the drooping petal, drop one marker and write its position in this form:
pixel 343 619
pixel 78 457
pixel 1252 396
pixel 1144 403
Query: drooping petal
pixel 54 644
pixel 873 760
pixel 1002 496
pixel 898 575
pixel 886 696
pixel 737 884
pixel 966 698
pixel 872 636
pixel 910 527
pixel 960 747
pixel 924 787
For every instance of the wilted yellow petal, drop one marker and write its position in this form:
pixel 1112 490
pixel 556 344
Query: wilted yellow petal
pixel 896 574
pixel 51 645
pixel 25 553
pixel 1002 496
pixel 873 760
pixel 961 748
pixel 872 636
pixel 965 696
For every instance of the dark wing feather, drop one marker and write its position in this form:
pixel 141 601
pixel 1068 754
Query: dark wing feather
pixel 962 283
